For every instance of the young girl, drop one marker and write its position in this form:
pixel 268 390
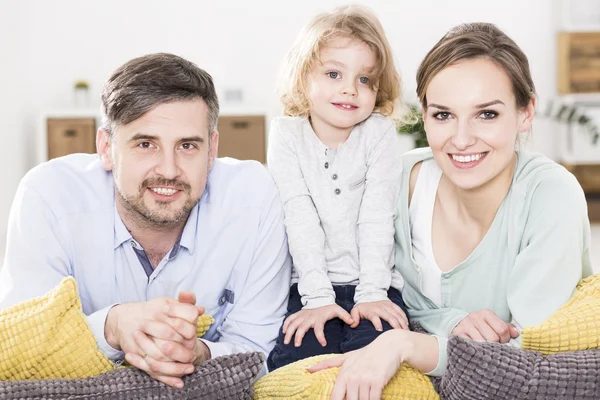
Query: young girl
pixel 336 163
pixel 489 237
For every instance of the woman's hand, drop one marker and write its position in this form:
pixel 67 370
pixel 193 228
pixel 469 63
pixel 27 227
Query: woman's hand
pixel 301 322
pixel 375 311
pixel 485 325
pixel 364 373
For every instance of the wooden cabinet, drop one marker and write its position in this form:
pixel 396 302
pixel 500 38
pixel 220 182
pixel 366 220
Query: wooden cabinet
pixel 588 176
pixel 578 62
pixel 242 137
pixel 70 135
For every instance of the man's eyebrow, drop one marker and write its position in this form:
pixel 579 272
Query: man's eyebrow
pixel 142 136
pixel 192 139
pixel 145 136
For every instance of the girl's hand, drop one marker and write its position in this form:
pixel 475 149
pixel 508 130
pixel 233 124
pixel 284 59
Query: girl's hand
pixel 300 322
pixel 485 325
pixel 365 372
pixel 375 311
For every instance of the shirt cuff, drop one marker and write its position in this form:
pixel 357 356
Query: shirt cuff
pixel 317 302
pixel 380 295
pixel 96 321
pixel 442 363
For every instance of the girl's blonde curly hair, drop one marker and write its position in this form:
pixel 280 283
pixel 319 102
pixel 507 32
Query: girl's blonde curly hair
pixel 355 22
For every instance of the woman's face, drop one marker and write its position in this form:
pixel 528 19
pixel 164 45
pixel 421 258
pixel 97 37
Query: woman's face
pixel 472 122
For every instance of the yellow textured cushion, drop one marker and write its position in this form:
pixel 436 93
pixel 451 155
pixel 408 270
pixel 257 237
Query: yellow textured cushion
pixel 294 382
pixel 48 337
pixel 575 326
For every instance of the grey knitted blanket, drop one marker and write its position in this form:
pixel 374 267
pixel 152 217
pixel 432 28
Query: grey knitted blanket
pixel 483 370
pixel 227 377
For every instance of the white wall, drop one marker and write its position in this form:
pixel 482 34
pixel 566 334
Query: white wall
pixel 48 44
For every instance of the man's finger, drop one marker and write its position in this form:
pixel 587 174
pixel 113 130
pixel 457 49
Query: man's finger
pixel 187 296
pixel 187 312
pixel 176 351
pixel 147 347
pixel 161 330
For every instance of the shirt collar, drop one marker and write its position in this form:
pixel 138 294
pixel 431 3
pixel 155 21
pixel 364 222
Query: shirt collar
pixel 186 239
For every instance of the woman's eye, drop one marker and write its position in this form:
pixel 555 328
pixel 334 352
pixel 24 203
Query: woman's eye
pixel 441 115
pixel 489 114
pixel 364 80
pixel 333 75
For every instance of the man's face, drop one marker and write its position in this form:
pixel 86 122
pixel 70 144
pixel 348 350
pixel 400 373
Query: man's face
pixel 160 163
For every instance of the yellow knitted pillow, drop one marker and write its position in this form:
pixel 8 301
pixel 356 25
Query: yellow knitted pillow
pixel 575 326
pixel 294 382
pixel 48 337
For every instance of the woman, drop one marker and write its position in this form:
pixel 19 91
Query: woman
pixel 489 238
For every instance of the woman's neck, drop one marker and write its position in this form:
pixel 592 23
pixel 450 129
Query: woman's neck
pixel 480 205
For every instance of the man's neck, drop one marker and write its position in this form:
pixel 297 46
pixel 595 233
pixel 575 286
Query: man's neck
pixel 154 240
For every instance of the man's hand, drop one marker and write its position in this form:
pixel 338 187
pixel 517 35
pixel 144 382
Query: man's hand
pixel 158 336
pixel 485 325
pixel 303 320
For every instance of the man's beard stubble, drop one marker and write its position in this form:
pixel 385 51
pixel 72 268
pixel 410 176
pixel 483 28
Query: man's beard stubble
pixel 137 209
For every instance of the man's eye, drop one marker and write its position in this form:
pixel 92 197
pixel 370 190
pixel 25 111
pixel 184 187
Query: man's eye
pixel 145 145
pixel 333 75
pixel 188 146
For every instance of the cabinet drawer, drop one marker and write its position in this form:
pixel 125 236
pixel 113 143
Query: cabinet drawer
pixel 70 135
pixel 242 137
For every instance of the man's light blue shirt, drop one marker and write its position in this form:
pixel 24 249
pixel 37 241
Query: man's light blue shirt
pixel 232 252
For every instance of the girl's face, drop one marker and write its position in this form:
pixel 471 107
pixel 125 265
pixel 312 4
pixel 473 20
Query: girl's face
pixel 340 89
pixel 472 122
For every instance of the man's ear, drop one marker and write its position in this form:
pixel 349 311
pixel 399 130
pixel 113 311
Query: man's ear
pixel 103 146
pixel 526 116
pixel 214 147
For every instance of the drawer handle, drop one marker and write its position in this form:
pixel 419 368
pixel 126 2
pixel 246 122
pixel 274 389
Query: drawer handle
pixel 240 125
pixel 70 133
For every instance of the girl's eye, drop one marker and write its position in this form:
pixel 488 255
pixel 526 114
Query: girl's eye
pixel 363 80
pixel 442 115
pixel 333 75
pixel 489 114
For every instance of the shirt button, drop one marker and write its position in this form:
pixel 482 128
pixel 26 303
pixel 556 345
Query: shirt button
pixel 338 191
pixel 326 165
pixel 222 300
pixel 334 177
pixel 133 244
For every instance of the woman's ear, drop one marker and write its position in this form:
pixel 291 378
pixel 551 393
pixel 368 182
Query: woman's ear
pixel 526 116
pixel 103 146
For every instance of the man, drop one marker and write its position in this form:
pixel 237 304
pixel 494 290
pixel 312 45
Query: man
pixel 152 221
